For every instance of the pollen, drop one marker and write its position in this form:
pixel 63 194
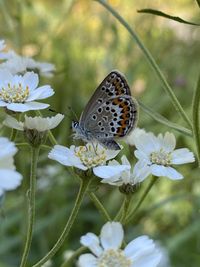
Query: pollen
pixel 15 93
pixel 91 157
pixel 161 157
pixel 113 258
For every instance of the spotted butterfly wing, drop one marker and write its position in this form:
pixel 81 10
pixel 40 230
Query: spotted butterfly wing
pixel 111 112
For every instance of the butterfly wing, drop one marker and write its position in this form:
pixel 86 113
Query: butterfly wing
pixel 111 112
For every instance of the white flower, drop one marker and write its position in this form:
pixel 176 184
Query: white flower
pixel 9 178
pixel 106 251
pixel 160 154
pixel 18 93
pixel 85 157
pixel 134 134
pixel 19 64
pixel 131 177
pixel 34 123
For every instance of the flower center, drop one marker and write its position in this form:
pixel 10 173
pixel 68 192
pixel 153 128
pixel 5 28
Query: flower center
pixel 161 158
pixel 113 258
pixel 90 157
pixel 14 93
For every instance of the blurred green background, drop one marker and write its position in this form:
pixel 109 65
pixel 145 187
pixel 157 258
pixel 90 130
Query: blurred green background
pixel 85 43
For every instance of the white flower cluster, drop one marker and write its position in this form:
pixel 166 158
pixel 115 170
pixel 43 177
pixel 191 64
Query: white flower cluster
pixel 19 92
pixel 156 156
pixel 16 64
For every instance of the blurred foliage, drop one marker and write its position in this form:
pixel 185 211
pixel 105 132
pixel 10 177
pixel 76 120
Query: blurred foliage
pixel 85 42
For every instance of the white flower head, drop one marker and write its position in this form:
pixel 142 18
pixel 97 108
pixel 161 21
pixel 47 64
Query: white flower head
pixel 134 134
pixel 17 64
pixel 9 178
pixel 35 128
pixel 160 155
pixel 106 249
pixel 129 176
pixel 18 93
pixel 86 157
pixel 38 123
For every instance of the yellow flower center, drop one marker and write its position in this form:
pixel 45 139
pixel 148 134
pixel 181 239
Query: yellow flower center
pixel 161 158
pixel 113 258
pixel 14 93
pixel 90 157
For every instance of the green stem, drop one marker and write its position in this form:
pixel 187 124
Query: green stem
pixel 31 205
pixel 151 60
pixel 13 134
pixel 125 207
pixel 130 217
pixel 100 207
pixel 68 263
pixel 119 214
pixel 83 187
pixel 196 118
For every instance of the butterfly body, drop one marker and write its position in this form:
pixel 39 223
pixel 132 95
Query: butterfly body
pixel 111 113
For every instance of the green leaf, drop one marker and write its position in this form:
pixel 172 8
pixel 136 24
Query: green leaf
pixel 196 118
pixel 162 14
pixel 156 116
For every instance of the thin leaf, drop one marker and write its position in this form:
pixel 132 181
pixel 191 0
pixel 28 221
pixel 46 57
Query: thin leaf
pixel 198 2
pixel 156 116
pixel 162 14
pixel 196 118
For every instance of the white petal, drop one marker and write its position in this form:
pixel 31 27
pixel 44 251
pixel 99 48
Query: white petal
pixel 7 148
pixel 112 235
pixel 182 156
pixel 87 260
pixel 66 157
pixel 31 80
pixel 130 138
pixel 142 252
pixel 7 162
pixel 142 156
pixel 147 143
pixel 5 76
pixel 40 93
pixel 18 107
pixel 125 161
pixel 168 142
pixel 151 259
pixel 42 124
pixel 91 241
pixel 3 104
pixel 27 106
pixel 109 171
pixel 9 179
pixel 110 154
pixel 171 173
pixel 141 171
pixel 13 123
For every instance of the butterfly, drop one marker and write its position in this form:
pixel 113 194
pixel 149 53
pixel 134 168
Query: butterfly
pixel 111 113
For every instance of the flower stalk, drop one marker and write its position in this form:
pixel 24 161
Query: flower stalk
pixel 100 207
pixel 152 182
pixel 31 205
pixel 82 190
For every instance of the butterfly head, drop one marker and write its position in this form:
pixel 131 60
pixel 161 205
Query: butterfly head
pixel 79 133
